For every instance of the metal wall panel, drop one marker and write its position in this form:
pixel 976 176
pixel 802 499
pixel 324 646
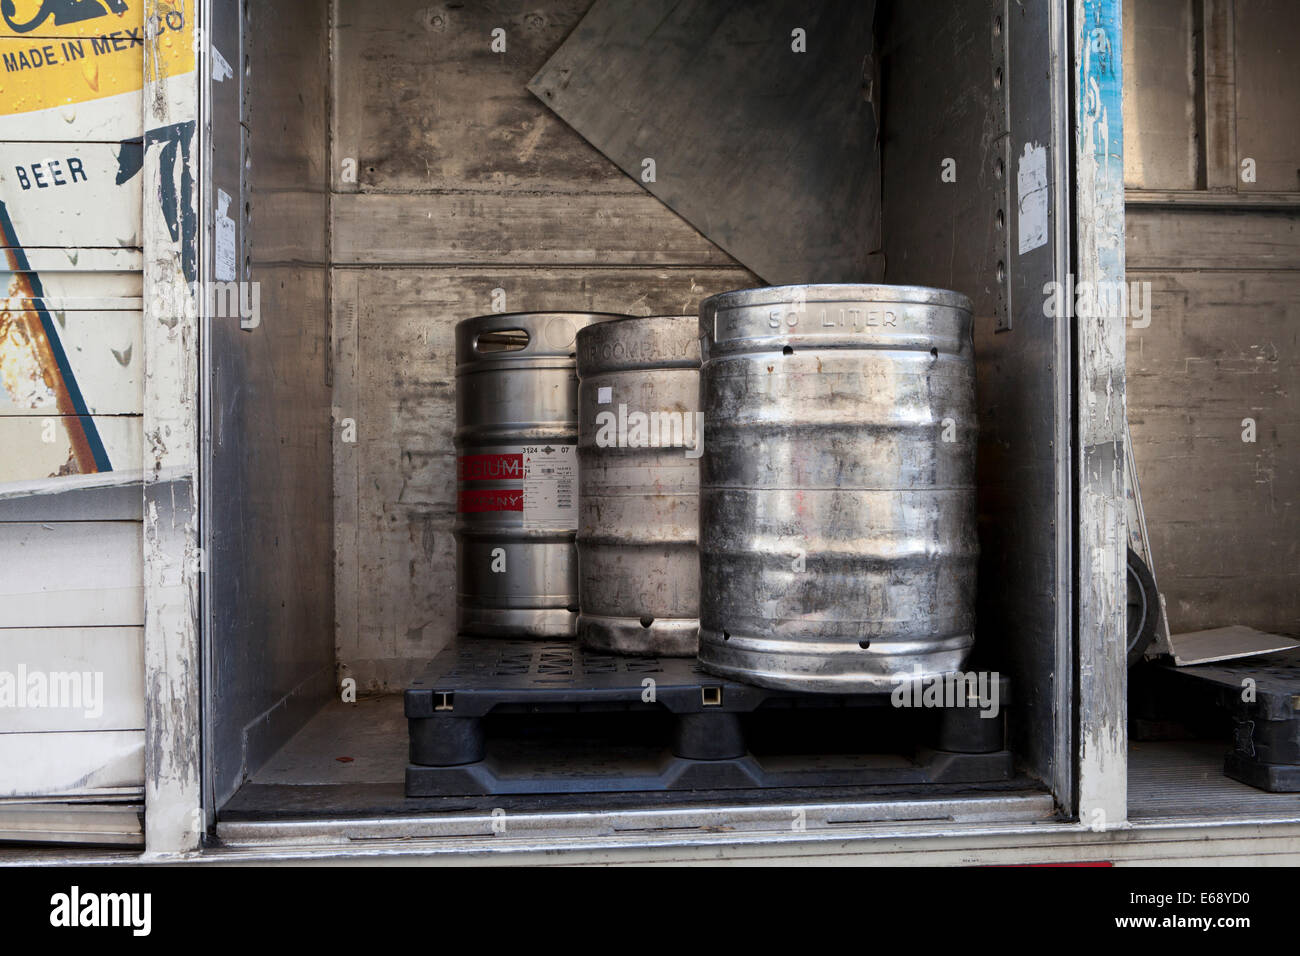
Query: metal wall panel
pixel 457 193
pixel 268 477
pixel 1212 361
pixel 396 485
pixel 993 111
pixel 1162 149
pixel 752 121
pixel 1218 348
pixel 1267 36
pixel 423 103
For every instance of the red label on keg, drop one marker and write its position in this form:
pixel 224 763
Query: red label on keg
pixel 492 499
pixel 490 467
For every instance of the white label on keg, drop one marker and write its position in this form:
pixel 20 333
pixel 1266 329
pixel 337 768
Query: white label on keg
pixel 604 394
pixel 551 487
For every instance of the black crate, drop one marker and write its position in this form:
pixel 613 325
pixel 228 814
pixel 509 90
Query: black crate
pixel 511 716
pixel 1262 697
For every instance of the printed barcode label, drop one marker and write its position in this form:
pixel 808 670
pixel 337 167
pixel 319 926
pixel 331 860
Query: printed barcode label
pixel 551 488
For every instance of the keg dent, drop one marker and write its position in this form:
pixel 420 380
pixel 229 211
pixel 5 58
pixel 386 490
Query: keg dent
pixel 837 487
pixel 517 481
pixel 640 434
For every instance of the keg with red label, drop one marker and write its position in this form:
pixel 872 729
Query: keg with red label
pixel 517 473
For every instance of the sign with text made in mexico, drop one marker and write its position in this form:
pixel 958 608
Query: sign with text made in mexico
pixel 72 141
pixel 74 69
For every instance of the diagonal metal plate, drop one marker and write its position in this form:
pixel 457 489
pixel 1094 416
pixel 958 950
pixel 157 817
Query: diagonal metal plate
pixel 767 150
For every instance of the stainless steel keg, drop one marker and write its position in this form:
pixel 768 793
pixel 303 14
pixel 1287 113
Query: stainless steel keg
pixel 517 473
pixel 639 441
pixel 837 488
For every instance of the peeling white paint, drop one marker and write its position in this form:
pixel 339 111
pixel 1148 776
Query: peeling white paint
pixel 1102 526
pixel 173 815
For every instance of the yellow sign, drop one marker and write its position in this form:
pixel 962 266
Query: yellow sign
pixel 57 53
pixel 67 18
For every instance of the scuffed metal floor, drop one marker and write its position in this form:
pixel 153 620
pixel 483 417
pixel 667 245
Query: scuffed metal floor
pixel 1185 780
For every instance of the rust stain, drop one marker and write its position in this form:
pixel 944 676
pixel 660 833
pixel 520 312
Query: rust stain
pixel 25 328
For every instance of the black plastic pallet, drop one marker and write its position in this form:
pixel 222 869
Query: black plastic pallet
pixel 1262 696
pixel 495 716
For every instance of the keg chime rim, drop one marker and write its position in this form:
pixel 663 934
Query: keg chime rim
pixel 831 292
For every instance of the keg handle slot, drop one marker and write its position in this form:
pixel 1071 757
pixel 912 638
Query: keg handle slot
pixel 493 341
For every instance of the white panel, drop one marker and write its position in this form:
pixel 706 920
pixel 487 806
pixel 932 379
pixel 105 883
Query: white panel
pixel 72 194
pixel 104 496
pixel 104 354
pixel 79 279
pixel 48 822
pixel 70 763
pixel 115 117
pixel 71 574
pixel 98 672
pixel 41 446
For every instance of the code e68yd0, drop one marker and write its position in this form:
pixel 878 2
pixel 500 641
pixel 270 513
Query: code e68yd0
pixel 1225 898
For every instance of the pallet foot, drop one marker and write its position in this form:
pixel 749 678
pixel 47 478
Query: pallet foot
pixel 708 736
pixel 446 741
pixel 1275 778
pixel 966 730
